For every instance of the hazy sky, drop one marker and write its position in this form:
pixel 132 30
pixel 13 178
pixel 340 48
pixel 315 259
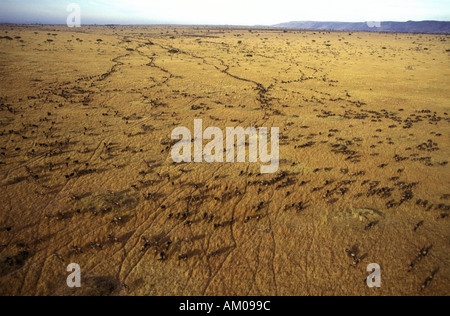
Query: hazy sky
pixel 237 12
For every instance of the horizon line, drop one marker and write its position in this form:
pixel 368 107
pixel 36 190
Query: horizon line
pixel 201 24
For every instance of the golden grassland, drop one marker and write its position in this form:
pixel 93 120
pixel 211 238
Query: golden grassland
pixel 85 123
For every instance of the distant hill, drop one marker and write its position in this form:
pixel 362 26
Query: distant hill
pixel 396 27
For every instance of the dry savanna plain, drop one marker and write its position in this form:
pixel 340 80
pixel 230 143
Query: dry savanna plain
pixel 86 117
